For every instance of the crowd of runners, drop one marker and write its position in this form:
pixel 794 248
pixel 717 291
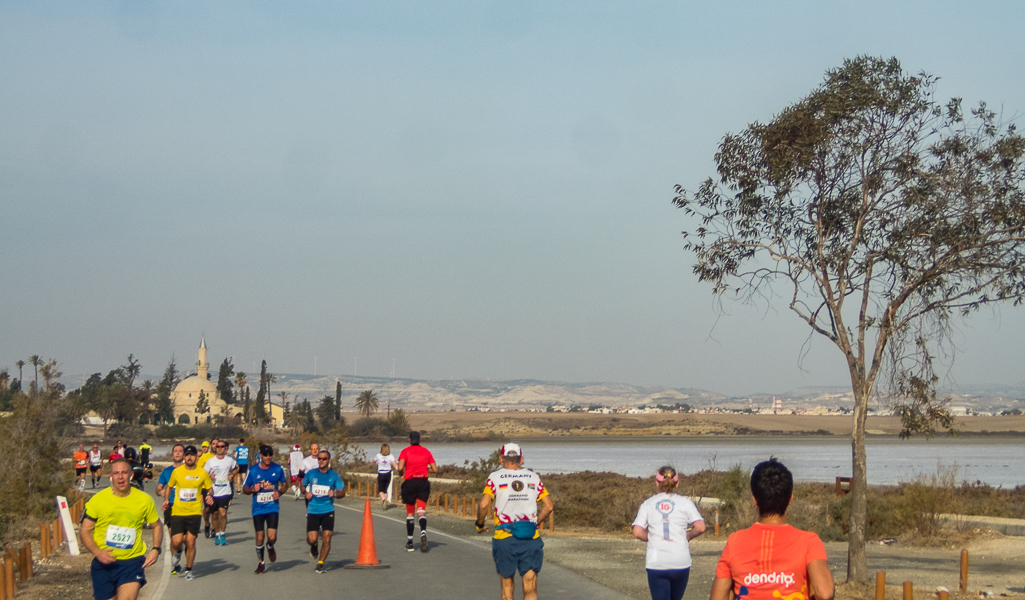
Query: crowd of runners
pixel 770 560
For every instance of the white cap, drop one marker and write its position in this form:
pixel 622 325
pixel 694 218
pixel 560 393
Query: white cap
pixel 511 449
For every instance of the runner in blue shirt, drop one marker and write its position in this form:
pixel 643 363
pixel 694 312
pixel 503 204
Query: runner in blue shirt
pixel 177 458
pixel 242 460
pixel 321 486
pixel 265 482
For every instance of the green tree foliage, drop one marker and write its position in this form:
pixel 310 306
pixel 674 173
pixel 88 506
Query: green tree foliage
pixel 163 404
pixel 34 438
pixel 326 413
pixel 880 215
pixel 224 375
pixel 398 420
pixel 338 402
pixel 367 403
pixel 202 405
pixel 260 409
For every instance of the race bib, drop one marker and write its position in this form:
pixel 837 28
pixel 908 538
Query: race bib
pixel 320 490
pixel 221 481
pixel 187 494
pixel 265 497
pixel 121 538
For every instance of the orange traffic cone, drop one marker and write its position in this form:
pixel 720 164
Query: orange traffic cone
pixel 366 557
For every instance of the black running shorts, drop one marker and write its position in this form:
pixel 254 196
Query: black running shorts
pixel 185 524
pixel 416 489
pixel 269 520
pixel 325 521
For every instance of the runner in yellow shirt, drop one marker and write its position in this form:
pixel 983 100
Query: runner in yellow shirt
pixel 209 451
pixel 112 532
pixel 190 485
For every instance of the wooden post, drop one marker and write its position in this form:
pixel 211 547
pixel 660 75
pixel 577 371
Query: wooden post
pixel 944 595
pixel 377 489
pixel 964 570
pixel 11 587
pixel 909 591
pixel 717 522
pixel 3 585
pixel 26 562
pixel 464 506
pixel 880 585
pixel 44 539
pixel 551 522
pixel 56 534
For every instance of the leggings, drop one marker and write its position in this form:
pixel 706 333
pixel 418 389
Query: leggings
pixel 668 584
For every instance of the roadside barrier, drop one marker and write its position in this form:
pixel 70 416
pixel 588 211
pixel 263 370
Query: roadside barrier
pixel 909 587
pixel 18 567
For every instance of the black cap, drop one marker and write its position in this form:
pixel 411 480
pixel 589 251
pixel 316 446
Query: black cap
pixel 266 450
pixel 190 449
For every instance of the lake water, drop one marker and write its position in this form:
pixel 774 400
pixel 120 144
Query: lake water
pixel 997 461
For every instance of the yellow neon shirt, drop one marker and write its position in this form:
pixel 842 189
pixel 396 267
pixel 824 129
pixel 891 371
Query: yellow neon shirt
pixel 188 485
pixel 119 521
pixel 203 458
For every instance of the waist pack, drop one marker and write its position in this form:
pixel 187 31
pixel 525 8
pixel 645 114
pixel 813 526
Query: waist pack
pixel 521 530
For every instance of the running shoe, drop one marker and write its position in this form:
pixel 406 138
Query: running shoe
pixel 320 567
pixel 409 546
pixel 271 554
pixel 188 575
pixel 175 570
pixel 224 540
pixel 313 551
pixel 423 543
pixel 260 568
pixel 206 532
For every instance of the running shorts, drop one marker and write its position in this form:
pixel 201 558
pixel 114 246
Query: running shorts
pixel 416 489
pixel 270 520
pixel 513 555
pixel 296 479
pixel 95 468
pixel 167 516
pixel 107 578
pixel 325 521
pixel 243 469
pixel 383 479
pixel 185 524
pixel 79 470
pixel 221 502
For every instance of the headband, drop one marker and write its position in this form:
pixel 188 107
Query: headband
pixel 660 477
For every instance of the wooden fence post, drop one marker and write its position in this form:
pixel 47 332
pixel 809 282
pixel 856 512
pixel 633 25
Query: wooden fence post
pixel 56 534
pixel 3 584
pixel 909 591
pixel 944 595
pixel 880 585
pixel 26 552
pixel 964 570
pixel 446 502
pixel 11 587
pixel 464 506
pixel 551 521
pixel 44 537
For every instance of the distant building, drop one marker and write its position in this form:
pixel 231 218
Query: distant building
pixel 186 395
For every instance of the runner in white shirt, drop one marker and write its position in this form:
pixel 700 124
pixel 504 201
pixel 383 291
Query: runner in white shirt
pixel 95 463
pixel 309 465
pixel 668 521
pixel 295 467
pixel 221 469
pixel 385 463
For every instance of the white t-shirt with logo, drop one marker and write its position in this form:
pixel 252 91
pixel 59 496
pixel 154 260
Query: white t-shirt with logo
pixel 220 472
pixel 95 458
pixel 310 464
pixel 516 492
pixel 666 517
pixel 384 462
pixel 295 462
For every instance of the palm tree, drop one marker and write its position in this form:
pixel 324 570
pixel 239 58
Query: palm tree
pixel 284 397
pixel 21 365
pixel 240 382
pixel 294 421
pixel 35 360
pixel 50 374
pixel 367 403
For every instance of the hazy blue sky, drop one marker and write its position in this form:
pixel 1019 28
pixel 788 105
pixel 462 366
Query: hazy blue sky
pixel 476 189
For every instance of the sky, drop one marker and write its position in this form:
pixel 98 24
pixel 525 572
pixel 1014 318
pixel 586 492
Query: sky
pixel 447 189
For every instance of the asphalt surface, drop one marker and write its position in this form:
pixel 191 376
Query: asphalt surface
pixel 459 564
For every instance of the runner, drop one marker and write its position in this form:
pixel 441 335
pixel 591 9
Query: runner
pixel 668 522
pixel 81 460
pixel 95 463
pixel 265 482
pixel 112 532
pixel 241 455
pixel 116 453
pixel 385 463
pixel 309 464
pixel 221 469
pixel 133 458
pixel 772 559
pixel 177 458
pixel 295 468
pixel 321 486
pixel 208 453
pixel 190 484
pixel 144 452
pixel 517 543
pixel 416 463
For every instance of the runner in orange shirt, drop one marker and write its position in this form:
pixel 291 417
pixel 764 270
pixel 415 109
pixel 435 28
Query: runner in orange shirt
pixel 81 459
pixel 771 559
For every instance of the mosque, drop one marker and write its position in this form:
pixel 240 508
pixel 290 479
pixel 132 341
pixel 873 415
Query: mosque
pixel 187 393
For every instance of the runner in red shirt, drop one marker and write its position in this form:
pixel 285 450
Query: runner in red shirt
pixel 416 463
pixel 771 559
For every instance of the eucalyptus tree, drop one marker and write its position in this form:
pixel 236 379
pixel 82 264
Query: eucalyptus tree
pixel 883 216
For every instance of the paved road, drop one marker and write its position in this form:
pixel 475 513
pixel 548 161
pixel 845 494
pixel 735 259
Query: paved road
pixel 459 564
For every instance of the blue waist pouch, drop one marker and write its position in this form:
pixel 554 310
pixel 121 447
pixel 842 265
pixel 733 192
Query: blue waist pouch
pixel 521 530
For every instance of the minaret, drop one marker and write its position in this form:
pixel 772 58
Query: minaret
pixel 202 367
